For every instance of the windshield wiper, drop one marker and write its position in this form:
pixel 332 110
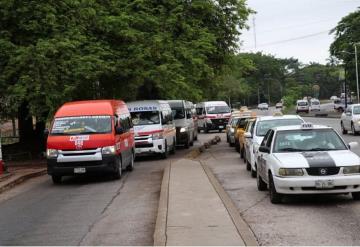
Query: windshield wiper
pixel 290 150
pixel 321 149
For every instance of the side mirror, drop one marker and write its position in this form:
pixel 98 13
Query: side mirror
pixel 352 145
pixel 247 135
pixel 264 149
pixel 46 132
pixel 119 130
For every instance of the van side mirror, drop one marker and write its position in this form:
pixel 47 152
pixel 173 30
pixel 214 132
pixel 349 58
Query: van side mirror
pixel 46 132
pixel 264 149
pixel 119 130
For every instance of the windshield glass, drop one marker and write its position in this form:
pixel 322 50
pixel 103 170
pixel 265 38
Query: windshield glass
pixel 264 126
pixel 81 125
pixel 356 110
pixel 217 109
pixel 307 140
pixel 315 103
pixel 302 103
pixel 145 118
pixel 178 113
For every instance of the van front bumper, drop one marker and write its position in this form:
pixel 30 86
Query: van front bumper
pixel 107 164
pixel 152 147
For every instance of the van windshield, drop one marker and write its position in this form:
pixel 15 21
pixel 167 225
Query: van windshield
pixel 315 102
pixel 145 118
pixel 81 125
pixel 217 109
pixel 178 113
pixel 302 103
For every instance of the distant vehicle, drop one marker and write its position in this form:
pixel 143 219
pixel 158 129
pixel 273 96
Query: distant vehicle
pixel 350 119
pixel 279 105
pixel 339 104
pixel 261 126
pixel 195 119
pixel 307 159
pixel 154 127
pixel 184 122
pixel 302 106
pixel 263 106
pixel 213 115
pixel 314 105
pixel 90 137
pixel 333 97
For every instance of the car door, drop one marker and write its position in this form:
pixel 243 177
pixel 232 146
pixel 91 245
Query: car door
pixel 266 156
pixel 348 117
pixel 251 144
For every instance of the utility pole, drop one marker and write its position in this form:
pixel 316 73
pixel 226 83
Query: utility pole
pixel 254 30
pixel 357 74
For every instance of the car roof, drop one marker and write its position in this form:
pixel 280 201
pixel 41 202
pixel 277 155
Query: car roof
pixel 264 118
pixel 299 127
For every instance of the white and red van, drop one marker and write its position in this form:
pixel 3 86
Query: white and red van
pixel 213 115
pixel 154 127
pixel 93 136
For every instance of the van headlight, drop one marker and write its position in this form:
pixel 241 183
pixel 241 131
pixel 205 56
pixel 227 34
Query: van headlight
pixel 232 130
pixel 52 153
pixel 157 136
pixel 351 169
pixel 108 150
pixel 291 172
pixel 182 130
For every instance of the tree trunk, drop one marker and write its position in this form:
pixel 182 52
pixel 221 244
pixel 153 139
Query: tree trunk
pixel 26 130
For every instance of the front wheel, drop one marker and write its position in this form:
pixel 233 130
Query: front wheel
pixel 275 197
pixel 130 167
pixel 118 169
pixel 253 173
pixel 261 185
pixel 343 130
pixel 353 129
pixel 56 179
pixel 164 155
pixel 248 165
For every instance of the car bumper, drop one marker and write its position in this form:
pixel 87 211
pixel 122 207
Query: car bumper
pixel 216 126
pixel 306 185
pixel 302 110
pixel 146 148
pixel 107 164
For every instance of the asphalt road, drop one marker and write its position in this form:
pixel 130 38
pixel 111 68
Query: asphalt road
pixel 300 220
pixel 86 210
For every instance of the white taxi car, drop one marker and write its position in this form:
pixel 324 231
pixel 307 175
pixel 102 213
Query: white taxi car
pixel 350 119
pixel 307 159
pixel 258 131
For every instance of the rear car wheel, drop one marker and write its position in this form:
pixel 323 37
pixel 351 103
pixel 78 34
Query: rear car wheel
pixel 130 167
pixel 353 129
pixel 253 172
pixel 118 169
pixel 248 165
pixel 343 130
pixel 261 185
pixel 56 179
pixel 275 197
pixel 355 196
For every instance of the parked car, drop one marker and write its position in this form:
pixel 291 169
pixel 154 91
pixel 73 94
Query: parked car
pixel 307 159
pixel 184 122
pixel 314 105
pixel 279 105
pixel 333 97
pixel 302 106
pixel 213 115
pixel 350 119
pixel 154 127
pixel 263 106
pixel 90 137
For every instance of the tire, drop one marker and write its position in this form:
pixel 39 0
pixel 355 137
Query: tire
pixel 241 152
pixel 56 179
pixel 173 150
pixel 355 196
pixel 253 173
pixel 353 129
pixel 343 130
pixel 192 141
pixel 165 154
pixel 130 167
pixel 118 170
pixel 275 198
pixel 196 134
pixel 187 144
pixel 261 185
pixel 248 165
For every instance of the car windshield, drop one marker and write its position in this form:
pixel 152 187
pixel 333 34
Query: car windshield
pixel 302 103
pixel 81 125
pixel 265 125
pixel 217 109
pixel 356 110
pixel 315 103
pixel 145 118
pixel 307 140
pixel 178 113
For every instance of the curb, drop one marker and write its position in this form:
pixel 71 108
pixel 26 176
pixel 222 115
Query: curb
pixel 242 227
pixel 22 179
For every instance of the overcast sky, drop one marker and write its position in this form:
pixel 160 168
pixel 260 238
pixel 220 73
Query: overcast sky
pixel 295 28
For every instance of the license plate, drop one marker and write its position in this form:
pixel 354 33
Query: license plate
pixel 221 127
pixel 324 184
pixel 79 170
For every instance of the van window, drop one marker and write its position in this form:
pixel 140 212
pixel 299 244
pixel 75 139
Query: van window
pixel 167 117
pixel 125 123
pixel 178 112
pixel 82 125
pixel 217 109
pixel 199 111
pixel 302 103
pixel 145 118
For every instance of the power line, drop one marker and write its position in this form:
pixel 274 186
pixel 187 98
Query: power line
pixel 296 26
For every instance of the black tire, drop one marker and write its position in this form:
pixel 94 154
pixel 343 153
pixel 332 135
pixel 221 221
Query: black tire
pixel 241 152
pixel 355 196
pixel 173 149
pixel 275 197
pixel 118 169
pixel 343 130
pixel 130 167
pixel 192 141
pixel 353 129
pixel 56 179
pixel 248 165
pixel 261 185
pixel 253 173
pixel 165 154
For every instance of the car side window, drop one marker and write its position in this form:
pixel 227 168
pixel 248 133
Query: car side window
pixel 264 141
pixel 269 140
pixel 124 122
pixel 199 111
pixel 252 128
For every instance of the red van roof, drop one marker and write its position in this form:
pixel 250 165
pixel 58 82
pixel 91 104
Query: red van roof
pixel 89 107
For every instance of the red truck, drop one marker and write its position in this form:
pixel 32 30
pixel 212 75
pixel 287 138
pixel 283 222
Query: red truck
pixel 95 136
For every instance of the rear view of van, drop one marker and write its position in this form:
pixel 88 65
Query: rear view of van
pixel 93 136
pixel 154 127
pixel 183 117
